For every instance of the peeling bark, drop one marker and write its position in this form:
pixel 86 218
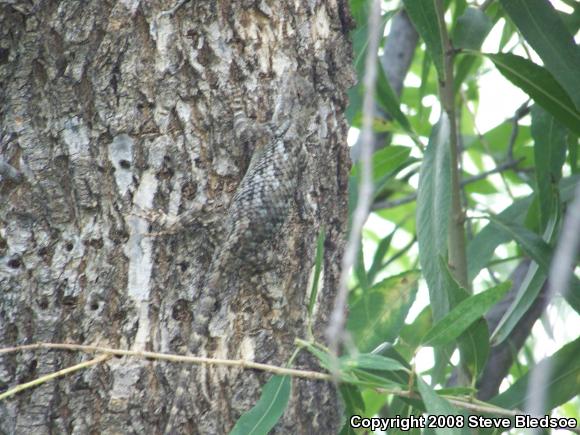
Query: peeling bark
pixel 109 109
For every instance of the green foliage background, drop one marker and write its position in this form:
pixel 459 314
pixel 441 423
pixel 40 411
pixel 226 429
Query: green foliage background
pixel 523 174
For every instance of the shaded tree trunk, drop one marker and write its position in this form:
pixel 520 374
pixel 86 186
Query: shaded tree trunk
pixel 113 109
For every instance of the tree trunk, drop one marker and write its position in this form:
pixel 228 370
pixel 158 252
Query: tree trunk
pixel 112 110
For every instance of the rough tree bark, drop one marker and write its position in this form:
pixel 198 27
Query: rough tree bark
pixel 109 109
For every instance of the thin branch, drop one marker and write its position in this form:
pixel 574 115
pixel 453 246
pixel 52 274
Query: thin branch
pixel 335 329
pixel 510 164
pixel 465 403
pixel 51 376
pixel 522 111
pixel 173 358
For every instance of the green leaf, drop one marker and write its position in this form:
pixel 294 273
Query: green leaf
pixel 563 385
pixel 371 361
pixel 324 358
pixel 474 341
pixel 471 30
pixel 425 69
pixel 389 101
pixel 463 315
pixel 539 84
pixel 380 253
pixel 378 314
pixel 424 18
pixel 360 41
pixel 437 405
pixel 433 207
pixel 530 242
pixel 270 407
pixel 545 31
pixel 528 291
pixel 466 67
pixel 385 161
pixel 550 153
pixel 481 248
pixel 359 268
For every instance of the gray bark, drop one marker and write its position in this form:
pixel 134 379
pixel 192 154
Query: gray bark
pixel 108 110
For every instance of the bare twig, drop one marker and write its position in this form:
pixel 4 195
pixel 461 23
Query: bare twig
pixel 522 111
pixel 337 319
pixel 465 403
pixel 51 376
pixel 172 358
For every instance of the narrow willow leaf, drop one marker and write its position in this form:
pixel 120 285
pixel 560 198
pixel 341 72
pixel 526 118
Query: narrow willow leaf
pixel 360 40
pixel 527 293
pixel 481 248
pixel 389 101
pixel 463 315
pixel 378 314
pixel 265 414
pixel 545 31
pixel 371 361
pixel 324 358
pixel 550 153
pixel 437 405
pixel 474 341
pixel 467 66
pixel 385 161
pixel 433 207
pixel 424 18
pixel 529 288
pixel 472 28
pixel 359 268
pixel 317 270
pixel 562 386
pixel 425 69
pixel 539 84
pixel 371 379
pixel 530 242
pixel 380 253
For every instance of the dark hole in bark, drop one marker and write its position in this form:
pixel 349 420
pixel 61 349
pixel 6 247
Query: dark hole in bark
pixel 43 303
pixel 14 263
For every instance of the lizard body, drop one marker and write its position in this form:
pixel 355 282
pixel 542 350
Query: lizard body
pixel 259 206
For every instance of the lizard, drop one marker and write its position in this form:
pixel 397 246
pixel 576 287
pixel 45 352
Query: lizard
pixel 261 202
